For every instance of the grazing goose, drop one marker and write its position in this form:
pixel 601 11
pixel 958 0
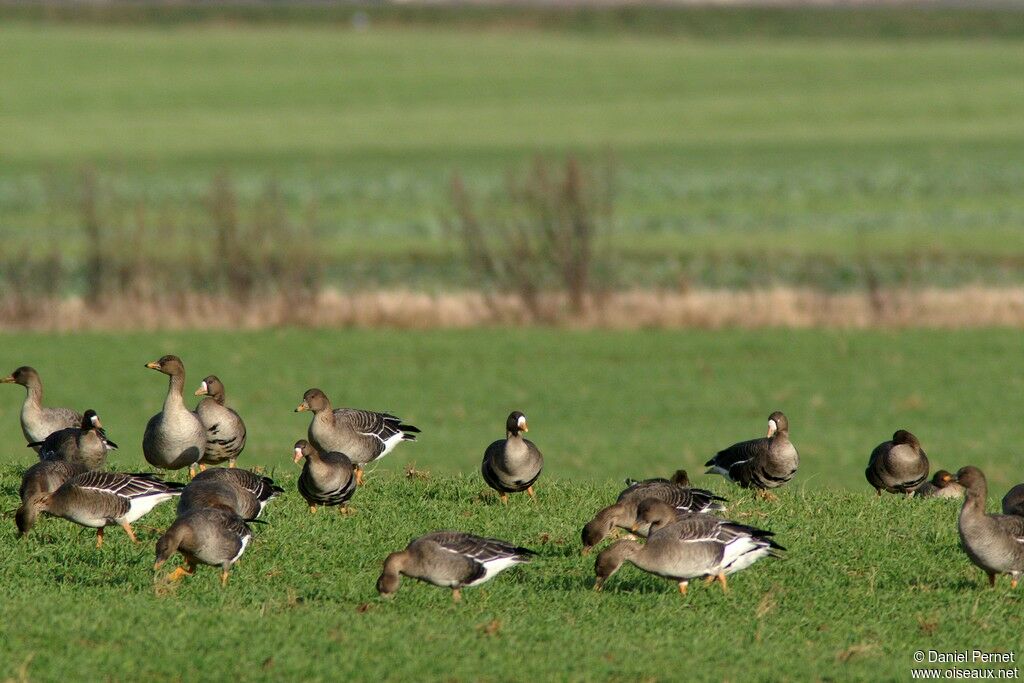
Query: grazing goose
pixel 362 435
pixel 898 466
pixel 174 437
pixel 687 547
pixel 327 478
pixel 450 559
pixel 942 485
pixel 245 493
pixel 225 431
pixel 993 542
pixel 43 477
pixel 86 445
pixel 512 464
pixel 1013 501
pixel 623 513
pixel 98 499
pixel 38 422
pixel 760 464
pixel 212 536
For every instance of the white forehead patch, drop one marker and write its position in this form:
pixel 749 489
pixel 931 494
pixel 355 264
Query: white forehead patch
pixel 204 387
pixel 772 426
pixel 298 452
pixel 522 420
pixel 95 420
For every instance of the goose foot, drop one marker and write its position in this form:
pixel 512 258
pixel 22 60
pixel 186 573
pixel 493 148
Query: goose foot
pixel 312 509
pixel 682 587
pixel 99 537
pixel 504 498
pixel 224 579
pixel 180 573
pixel 359 476
pixel 765 494
pixel 128 530
pixel 721 580
pixel 531 494
pixel 456 595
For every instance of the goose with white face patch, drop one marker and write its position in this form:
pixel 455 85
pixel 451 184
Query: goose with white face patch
pixel 225 431
pixel 760 464
pixel 514 463
pixel 450 559
pixel 86 444
pixel 100 499
pixel 688 547
pixel 362 435
pixel 38 422
pixel 995 543
pixel 327 479
pixel 175 437
pixel 942 485
pixel 898 466
pixel 46 476
pixel 210 536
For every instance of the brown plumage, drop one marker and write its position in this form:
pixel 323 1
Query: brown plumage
pixel 211 536
pixel 43 477
pixel 174 437
pixel 327 478
pixel 1013 501
pixel 512 464
pixel 761 464
pixel 995 543
pixel 243 492
pixel 942 485
pixel 899 465
pixel 38 422
pixel 86 444
pixel 225 431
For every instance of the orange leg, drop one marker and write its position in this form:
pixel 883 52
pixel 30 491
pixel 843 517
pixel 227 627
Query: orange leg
pixel 99 537
pixel 128 530
pixel 721 580
pixel 224 578
pixel 345 510
pixel 192 472
pixel 359 476
pixel 456 594
pixel 202 467
pixel 180 573
pixel 708 580
pixel 1013 581
pixel 312 509
pixel 232 464
pixel 529 492
pixel 682 587
pixel 504 498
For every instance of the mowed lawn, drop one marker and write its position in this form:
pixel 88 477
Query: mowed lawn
pixel 768 147
pixel 867 581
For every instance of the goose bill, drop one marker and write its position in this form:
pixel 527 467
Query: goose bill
pixel 298 455
pixel 9 379
pixel 202 390
pixel 772 428
pixel 153 365
pixel 302 407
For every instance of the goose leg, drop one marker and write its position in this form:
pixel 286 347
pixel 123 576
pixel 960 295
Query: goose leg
pixel 531 494
pixel 1013 581
pixel 345 510
pixel 682 587
pixel 721 580
pixel 191 472
pixel 180 573
pixel 504 498
pixel 128 530
pixel 312 509
pixel 224 578
pixel 231 464
pixel 456 594
pixel 708 580
pixel 359 475
pixel 992 579
pixel 99 537
pixel 765 494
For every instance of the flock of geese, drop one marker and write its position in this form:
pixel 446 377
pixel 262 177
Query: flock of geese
pixel 686 539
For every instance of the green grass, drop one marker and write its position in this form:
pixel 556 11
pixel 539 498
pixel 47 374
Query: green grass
pixel 799 148
pixel 867 581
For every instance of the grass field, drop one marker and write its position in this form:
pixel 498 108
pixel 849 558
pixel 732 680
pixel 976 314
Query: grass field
pixel 741 161
pixel 867 581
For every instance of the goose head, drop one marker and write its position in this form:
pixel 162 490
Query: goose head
pixel 23 376
pixel 211 386
pixel 516 423
pixel 777 424
pixel 169 365
pixel 313 400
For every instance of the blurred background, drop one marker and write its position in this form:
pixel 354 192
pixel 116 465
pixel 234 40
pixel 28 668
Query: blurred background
pixel 432 164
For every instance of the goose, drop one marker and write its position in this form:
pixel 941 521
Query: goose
pixel 995 543
pixel 241 491
pixel 760 464
pixel 38 422
pixel 175 437
pixel 942 485
pixel 362 435
pixel 225 431
pixel 46 476
pixel 450 559
pixel 98 499
pixel 1013 501
pixel 211 536
pixel 87 444
pixel 327 478
pixel 623 513
pixel 687 547
pixel 512 464
pixel 898 466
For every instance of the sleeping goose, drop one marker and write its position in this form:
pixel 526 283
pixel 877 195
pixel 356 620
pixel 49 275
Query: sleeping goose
pixel 688 547
pixel 623 513
pixel 761 464
pixel 362 435
pixel 212 536
pixel 38 422
pixel 512 464
pixel 1013 501
pixel 174 437
pixel 993 542
pixel 241 491
pixel 225 431
pixel 46 476
pixel 450 559
pixel 327 478
pixel 898 466
pixel 98 499
pixel 87 444
pixel 942 485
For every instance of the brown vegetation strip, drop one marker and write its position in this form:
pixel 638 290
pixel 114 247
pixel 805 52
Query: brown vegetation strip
pixel 704 309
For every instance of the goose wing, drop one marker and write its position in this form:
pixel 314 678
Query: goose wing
pixel 381 426
pixel 125 485
pixel 482 550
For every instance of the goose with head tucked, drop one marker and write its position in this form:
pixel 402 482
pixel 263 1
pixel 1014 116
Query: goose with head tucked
pixel 86 444
pixel 327 479
pixel 512 464
pixel 995 543
pixel 1013 501
pixel 211 536
pixel 362 435
pixel 622 514
pixel 99 499
pixel 46 476
pixel 225 431
pixel 37 421
pixel 687 547
pixel 175 437
pixel 942 485
pixel 243 492
pixel 760 464
pixel 450 559
pixel 899 465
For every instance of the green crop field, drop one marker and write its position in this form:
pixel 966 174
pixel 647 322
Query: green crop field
pixel 867 581
pixel 778 153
